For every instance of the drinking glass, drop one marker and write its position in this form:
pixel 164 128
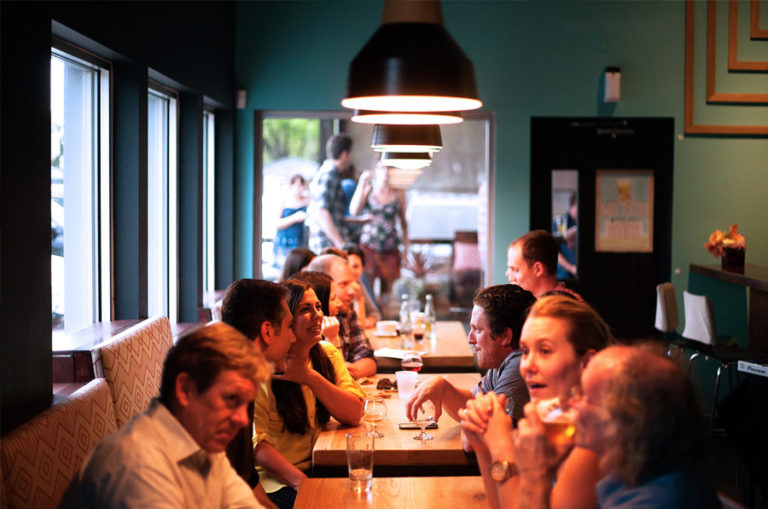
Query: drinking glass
pixel 360 447
pixel 424 416
pixel 374 411
pixel 558 419
pixel 412 361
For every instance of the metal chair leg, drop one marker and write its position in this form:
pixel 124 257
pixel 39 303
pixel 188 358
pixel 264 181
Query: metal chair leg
pixel 690 361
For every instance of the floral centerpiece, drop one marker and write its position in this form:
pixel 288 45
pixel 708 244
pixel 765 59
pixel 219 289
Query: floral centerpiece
pixel 730 246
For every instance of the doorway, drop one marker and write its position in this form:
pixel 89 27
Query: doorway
pixel 619 171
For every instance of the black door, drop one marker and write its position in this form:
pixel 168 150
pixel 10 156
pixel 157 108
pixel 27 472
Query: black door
pixel 620 285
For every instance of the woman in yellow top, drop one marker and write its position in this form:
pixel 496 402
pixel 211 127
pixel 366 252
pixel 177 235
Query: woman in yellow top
pixel 291 411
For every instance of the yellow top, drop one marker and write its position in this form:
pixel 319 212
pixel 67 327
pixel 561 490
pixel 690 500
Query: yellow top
pixel 268 424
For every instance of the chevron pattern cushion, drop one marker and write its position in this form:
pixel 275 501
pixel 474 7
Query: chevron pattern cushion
pixel 132 363
pixel 40 458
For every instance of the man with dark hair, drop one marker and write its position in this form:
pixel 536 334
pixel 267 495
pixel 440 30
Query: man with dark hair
pixel 532 263
pixel 326 215
pixel 259 310
pixel 640 414
pixel 172 455
pixel 497 320
pixel 355 346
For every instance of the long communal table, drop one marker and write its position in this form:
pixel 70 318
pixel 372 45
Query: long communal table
pixel 394 493
pixel 397 449
pixel 448 351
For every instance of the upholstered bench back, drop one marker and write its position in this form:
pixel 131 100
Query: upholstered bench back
pixel 40 458
pixel 132 364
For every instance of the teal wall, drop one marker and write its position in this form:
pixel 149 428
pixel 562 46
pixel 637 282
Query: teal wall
pixel 531 59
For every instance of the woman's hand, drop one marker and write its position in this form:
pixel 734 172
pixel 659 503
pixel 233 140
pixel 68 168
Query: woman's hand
pixel 331 330
pixel 484 417
pixel 534 453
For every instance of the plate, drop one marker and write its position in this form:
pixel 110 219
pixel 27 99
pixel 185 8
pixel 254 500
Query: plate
pixel 386 334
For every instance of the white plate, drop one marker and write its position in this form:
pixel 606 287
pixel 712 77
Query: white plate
pixel 385 334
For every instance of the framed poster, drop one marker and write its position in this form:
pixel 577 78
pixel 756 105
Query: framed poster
pixel 624 211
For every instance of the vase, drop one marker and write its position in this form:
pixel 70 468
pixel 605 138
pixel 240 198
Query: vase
pixel 733 259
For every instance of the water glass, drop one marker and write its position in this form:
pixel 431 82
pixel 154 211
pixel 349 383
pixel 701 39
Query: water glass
pixel 360 447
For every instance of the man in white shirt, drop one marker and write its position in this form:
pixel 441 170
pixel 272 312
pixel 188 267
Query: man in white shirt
pixel 172 455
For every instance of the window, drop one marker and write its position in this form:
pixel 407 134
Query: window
pixel 162 149
pixel 80 189
pixel 209 246
pixel 448 206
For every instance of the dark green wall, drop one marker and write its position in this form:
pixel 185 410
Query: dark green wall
pixel 531 59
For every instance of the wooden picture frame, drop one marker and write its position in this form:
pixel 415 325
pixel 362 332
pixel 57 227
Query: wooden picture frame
pixel 690 125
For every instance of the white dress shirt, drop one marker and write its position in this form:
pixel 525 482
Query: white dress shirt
pixel 154 462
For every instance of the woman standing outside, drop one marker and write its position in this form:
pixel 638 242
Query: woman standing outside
pixel 290 411
pixel 290 227
pixel 379 238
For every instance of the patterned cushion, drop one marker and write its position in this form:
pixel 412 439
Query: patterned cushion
pixel 132 363
pixel 40 458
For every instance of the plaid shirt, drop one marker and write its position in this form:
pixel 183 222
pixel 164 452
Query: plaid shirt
pixel 325 192
pixel 354 342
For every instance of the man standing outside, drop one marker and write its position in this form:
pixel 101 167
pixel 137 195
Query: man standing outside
pixel 172 454
pixel 497 320
pixel 355 346
pixel 326 215
pixel 532 264
pixel 259 310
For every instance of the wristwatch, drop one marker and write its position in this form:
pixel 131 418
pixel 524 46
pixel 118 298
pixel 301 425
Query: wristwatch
pixel 503 470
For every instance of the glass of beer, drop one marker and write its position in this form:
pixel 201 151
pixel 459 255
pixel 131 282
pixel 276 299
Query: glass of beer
pixel 559 420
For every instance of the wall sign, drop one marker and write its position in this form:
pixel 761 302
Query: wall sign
pixel 624 211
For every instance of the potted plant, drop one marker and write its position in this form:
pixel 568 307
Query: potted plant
pixel 730 246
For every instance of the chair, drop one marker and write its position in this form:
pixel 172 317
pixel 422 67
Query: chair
pixel 700 330
pixel 132 363
pixel 41 457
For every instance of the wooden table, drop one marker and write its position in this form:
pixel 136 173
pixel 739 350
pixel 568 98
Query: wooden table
pixel 754 277
pixel 448 352
pixel 394 493
pixel 398 448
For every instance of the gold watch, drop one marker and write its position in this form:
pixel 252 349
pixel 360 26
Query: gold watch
pixel 503 470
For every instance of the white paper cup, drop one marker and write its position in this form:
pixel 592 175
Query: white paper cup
pixel 386 327
pixel 406 385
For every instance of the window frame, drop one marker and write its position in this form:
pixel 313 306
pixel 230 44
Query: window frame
pixel 172 212
pixel 103 174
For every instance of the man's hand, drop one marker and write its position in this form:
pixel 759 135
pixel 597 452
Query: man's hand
pixel 430 389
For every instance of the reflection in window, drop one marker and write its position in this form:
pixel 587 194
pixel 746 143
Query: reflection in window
pixel 80 235
pixel 447 206
pixel 162 292
pixel 209 246
pixel 565 214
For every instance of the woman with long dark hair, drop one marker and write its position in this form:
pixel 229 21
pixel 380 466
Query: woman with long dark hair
pixel 291 411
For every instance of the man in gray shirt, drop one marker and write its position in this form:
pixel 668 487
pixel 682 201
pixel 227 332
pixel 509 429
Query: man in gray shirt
pixel 497 319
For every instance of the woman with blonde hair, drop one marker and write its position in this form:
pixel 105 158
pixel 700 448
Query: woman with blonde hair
pixel 558 339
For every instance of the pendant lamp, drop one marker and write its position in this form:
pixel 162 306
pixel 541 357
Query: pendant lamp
pixel 402 178
pixel 406 138
pixel 407 160
pixel 411 64
pixel 406 118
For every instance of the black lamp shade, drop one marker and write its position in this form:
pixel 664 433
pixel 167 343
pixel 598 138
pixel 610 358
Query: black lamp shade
pixel 411 67
pixel 406 138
